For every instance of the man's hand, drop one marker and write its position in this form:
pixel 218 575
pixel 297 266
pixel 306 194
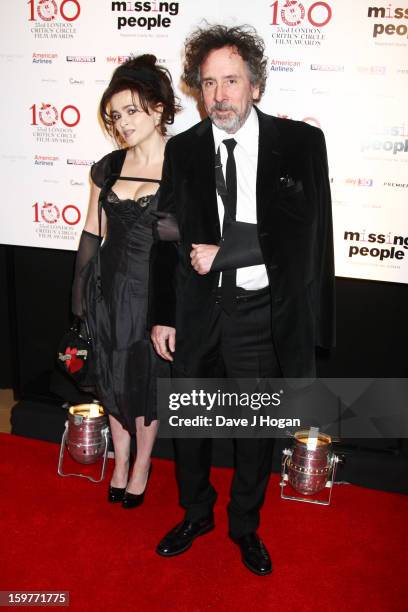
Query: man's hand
pixel 202 257
pixel 164 341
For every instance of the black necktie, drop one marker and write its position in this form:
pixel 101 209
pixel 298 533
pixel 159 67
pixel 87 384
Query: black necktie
pixel 228 282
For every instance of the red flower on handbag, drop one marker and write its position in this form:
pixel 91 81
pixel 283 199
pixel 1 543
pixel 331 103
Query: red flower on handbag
pixel 74 364
pixel 74 354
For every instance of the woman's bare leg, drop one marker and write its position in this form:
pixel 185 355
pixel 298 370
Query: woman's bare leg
pixel 145 437
pixel 121 445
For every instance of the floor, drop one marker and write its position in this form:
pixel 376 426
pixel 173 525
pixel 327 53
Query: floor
pixel 60 535
pixel 6 402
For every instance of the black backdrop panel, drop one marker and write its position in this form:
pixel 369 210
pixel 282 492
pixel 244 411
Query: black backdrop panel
pixel 6 352
pixel 372 330
pixel 42 289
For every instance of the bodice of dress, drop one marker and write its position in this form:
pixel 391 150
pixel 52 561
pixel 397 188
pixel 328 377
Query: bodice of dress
pixel 126 215
pixel 125 251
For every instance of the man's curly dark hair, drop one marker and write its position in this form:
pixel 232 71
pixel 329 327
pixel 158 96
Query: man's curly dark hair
pixel 244 38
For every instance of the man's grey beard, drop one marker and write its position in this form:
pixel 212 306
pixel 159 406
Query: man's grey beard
pixel 232 123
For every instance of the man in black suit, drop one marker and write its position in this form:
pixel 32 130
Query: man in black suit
pixel 250 283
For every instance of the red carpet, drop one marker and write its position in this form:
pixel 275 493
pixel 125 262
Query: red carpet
pixel 60 534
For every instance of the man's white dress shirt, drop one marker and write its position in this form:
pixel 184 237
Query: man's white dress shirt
pixel 246 160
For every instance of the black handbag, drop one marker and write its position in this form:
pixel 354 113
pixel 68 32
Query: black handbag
pixel 75 353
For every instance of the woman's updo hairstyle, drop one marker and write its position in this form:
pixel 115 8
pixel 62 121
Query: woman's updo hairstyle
pixel 151 82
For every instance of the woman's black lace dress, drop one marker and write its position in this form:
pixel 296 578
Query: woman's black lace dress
pixel 126 365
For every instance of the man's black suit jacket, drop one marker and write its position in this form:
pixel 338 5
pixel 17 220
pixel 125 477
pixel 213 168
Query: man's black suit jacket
pixel 294 224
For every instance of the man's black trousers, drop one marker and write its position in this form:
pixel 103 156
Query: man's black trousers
pixel 241 344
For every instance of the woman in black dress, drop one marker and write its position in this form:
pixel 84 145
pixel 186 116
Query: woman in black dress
pixel 135 109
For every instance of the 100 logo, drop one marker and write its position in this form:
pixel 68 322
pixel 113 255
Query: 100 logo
pixel 293 13
pixel 48 10
pixel 48 115
pixel 51 213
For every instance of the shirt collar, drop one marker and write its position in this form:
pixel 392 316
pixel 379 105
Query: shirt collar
pixel 246 136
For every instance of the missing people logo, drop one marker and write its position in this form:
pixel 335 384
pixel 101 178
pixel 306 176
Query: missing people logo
pixel 297 23
pixel 389 24
pixel 141 16
pixel 380 247
pixel 386 142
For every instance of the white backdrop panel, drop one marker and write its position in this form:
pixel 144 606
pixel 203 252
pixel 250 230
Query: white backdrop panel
pixel 340 64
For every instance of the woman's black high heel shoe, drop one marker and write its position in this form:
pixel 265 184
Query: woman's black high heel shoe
pixel 116 494
pixel 133 500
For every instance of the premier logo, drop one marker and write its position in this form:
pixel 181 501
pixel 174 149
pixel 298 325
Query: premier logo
pixel 395 185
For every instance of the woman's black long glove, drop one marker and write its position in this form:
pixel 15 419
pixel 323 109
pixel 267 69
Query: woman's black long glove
pixel 88 247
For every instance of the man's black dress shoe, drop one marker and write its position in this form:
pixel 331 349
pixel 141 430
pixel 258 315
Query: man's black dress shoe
pixel 133 500
pixel 254 554
pixel 115 494
pixel 181 537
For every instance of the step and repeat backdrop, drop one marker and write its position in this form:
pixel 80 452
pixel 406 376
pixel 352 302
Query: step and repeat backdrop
pixel 341 65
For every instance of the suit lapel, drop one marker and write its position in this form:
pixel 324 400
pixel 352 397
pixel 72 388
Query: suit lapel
pixel 204 175
pixel 269 162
